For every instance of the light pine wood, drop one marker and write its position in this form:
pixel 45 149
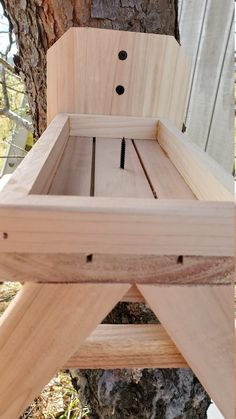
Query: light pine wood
pixel 235 368
pixel 47 324
pixel 200 321
pixel 80 268
pixel 133 295
pixel 36 171
pixel 117 226
pixel 113 126
pixel 84 70
pixel 127 346
pixel 165 178
pixel 73 175
pixel 180 90
pixel 207 179
pixel 110 180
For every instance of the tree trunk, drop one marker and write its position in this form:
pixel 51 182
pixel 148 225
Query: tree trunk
pixel 37 24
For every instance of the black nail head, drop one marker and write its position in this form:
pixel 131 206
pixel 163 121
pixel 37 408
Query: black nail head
pixel 122 55
pixel 5 236
pixel 120 90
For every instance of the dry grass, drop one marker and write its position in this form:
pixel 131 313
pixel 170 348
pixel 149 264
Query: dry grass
pixel 59 399
pixel 8 290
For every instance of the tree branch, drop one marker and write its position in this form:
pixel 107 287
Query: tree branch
pixel 8 67
pixel 16 118
pixel 15 146
pixel 12 88
pixel 4 89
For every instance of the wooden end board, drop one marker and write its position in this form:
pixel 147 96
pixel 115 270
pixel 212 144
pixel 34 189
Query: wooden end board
pixel 84 70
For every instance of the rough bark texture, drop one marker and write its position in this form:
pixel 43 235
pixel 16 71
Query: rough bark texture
pixel 139 394
pixel 38 24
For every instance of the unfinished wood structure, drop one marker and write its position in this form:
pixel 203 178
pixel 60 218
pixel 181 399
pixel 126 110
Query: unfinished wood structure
pixel 81 232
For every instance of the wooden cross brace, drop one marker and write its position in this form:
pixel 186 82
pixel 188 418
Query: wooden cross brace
pixel 46 327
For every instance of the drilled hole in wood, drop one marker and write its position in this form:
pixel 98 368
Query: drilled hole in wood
pixel 5 236
pixel 180 259
pixel 89 258
pixel 122 55
pixel 120 90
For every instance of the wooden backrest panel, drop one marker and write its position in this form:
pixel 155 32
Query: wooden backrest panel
pixel 84 70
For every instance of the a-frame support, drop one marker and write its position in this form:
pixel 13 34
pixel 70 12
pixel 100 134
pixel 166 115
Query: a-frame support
pixel 40 330
pixel 47 323
pixel 200 321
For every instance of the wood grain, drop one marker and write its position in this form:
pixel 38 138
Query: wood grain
pixel 110 180
pixel 117 226
pixel 150 74
pixel 200 321
pixel 127 346
pixel 38 168
pixel 180 89
pixel 165 178
pixel 47 323
pixel 77 268
pixel 133 295
pixel 207 179
pixel 113 126
pixel 73 175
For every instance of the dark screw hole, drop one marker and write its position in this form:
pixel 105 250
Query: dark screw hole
pixel 5 236
pixel 122 55
pixel 120 90
pixel 89 258
pixel 180 259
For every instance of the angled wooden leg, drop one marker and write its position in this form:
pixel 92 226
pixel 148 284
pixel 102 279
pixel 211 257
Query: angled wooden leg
pixel 41 330
pixel 200 321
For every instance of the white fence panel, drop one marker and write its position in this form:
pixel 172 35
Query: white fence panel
pixel 207 36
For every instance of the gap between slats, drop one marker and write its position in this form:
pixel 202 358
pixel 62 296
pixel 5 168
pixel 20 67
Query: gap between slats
pixel 90 167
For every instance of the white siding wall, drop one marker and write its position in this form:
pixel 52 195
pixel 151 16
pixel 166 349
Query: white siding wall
pixel 207 35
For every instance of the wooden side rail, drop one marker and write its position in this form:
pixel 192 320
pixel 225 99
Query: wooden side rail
pixel 132 269
pixel 207 179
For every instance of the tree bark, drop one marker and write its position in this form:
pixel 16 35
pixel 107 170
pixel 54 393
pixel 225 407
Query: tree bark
pixel 37 24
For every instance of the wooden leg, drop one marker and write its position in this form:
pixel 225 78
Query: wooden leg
pixel 200 321
pixel 41 330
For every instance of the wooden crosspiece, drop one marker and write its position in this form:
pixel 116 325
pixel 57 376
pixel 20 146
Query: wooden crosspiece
pixel 83 234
